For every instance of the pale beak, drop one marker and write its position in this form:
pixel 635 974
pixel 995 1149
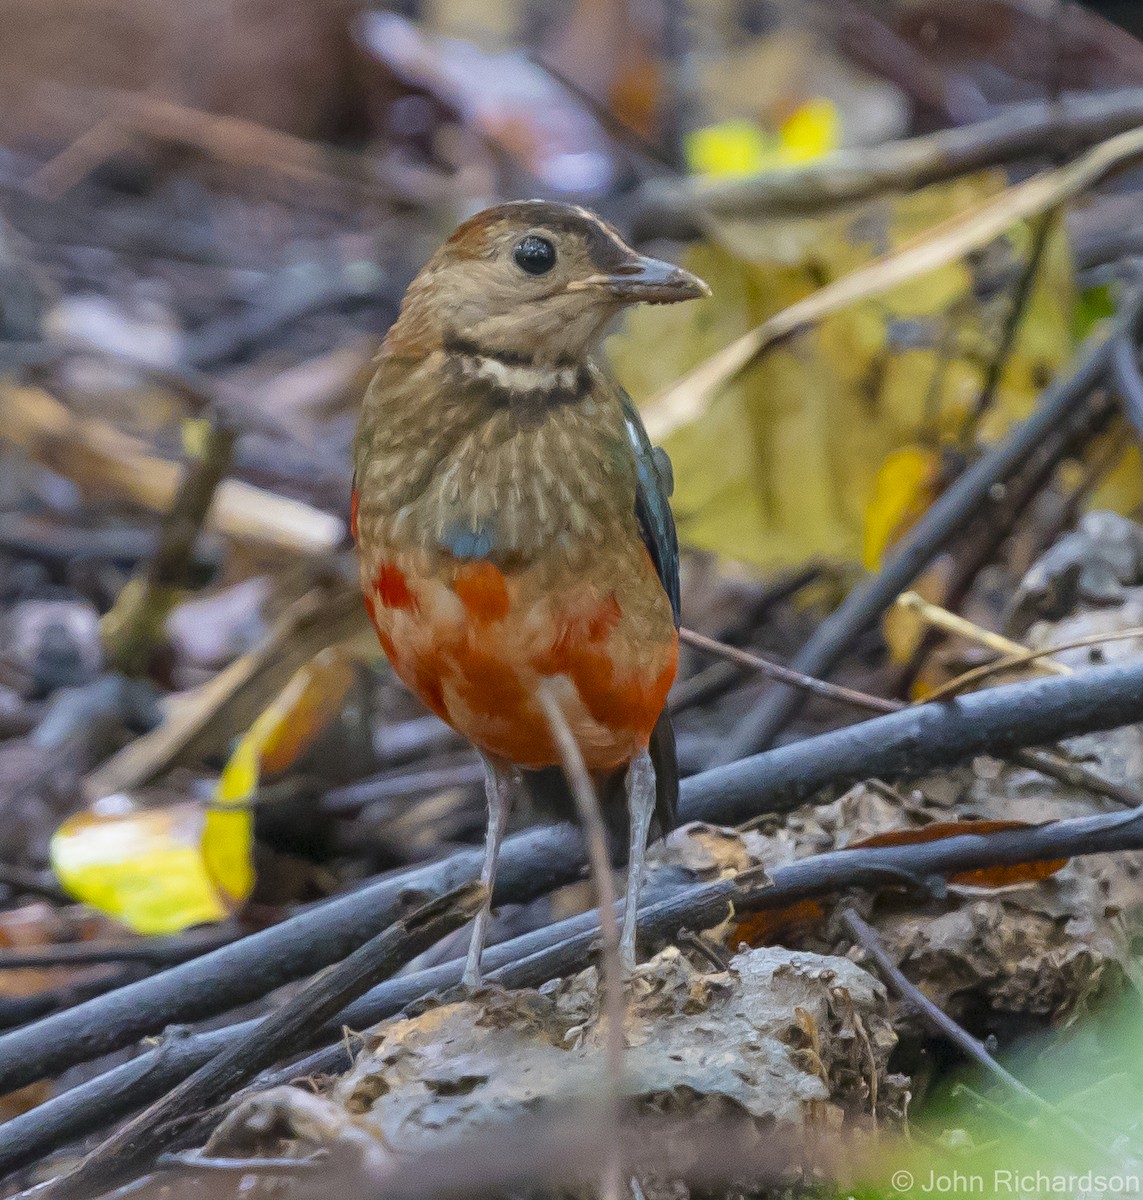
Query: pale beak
pixel 648 281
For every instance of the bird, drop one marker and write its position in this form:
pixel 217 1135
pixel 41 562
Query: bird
pixel 512 518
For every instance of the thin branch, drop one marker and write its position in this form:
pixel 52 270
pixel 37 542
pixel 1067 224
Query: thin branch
pixel 715 955
pixel 1022 131
pixel 617 129
pixel 1054 766
pixel 152 951
pixel 944 519
pixel 798 679
pixel 1129 381
pixel 283 1033
pixel 136 625
pixel 950 622
pixel 192 1160
pixel 991 528
pixel 563 948
pixel 590 817
pixel 937 1019
pixel 401 785
pixel 934 1016
pixel 1021 297
pixel 912 742
pixel 126 117
pixel 1014 661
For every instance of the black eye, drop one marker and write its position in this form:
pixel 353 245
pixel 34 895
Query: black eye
pixel 536 255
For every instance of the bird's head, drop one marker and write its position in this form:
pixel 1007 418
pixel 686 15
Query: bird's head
pixel 534 281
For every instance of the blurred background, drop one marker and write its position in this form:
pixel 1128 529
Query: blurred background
pixel 209 213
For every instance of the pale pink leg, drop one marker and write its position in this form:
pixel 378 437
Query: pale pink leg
pixel 641 807
pixel 499 781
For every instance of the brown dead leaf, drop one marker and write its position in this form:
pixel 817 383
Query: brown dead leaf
pixel 770 926
pixel 987 877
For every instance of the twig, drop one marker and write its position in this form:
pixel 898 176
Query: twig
pixel 1014 661
pixel 1074 774
pixel 16 1011
pixel 77 160
pixel 155 952
pixel 616 128
pixel 283 1033
pixel 911 742
pixel 233 140
pixel 947 516
pixel 798 679
pixel 715 955
pixel 992 526
pixel 1128 380
pixel 135 625
pixel 205 718
pixel 26 882
pixel 192 1160
pixel 401 786
pixel 934 1016
pixel 100 455
pixel 590 817
pixel 1052 765
pixel 1021 297
pixel 1023 131
pixel 688 397
pixel 228 338
pixel 563 948
pixel 943 1024
pixel 950 622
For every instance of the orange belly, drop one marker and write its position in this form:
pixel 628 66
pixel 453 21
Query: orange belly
pixel 476 645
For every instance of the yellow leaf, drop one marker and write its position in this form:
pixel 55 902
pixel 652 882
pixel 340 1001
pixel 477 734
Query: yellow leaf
pixel 903 489
pixel 289 725
pixel 195 431
pixel 143 867
pixel 811 130
pixel 739 147
pixel 161 870
pixel 277 740
pixel 227 850
pixel 782 464
pixel 730 148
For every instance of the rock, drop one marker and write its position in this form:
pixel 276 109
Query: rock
pixel 724 1073
pixel 1093 565
pixel 779 1036
pixel 56 642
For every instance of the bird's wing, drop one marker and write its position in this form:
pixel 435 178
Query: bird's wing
pixel 652 505
pixel 657 524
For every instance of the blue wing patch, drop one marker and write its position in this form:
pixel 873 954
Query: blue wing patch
pixel 464 542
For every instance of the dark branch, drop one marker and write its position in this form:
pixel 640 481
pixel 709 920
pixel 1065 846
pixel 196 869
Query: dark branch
pixel 286 1031
pixel 909 742
pixel 898 745
pixel 947 517
pixel 559 950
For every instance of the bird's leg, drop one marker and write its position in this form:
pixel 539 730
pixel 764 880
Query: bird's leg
pixel 640 807
pixel 499 781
